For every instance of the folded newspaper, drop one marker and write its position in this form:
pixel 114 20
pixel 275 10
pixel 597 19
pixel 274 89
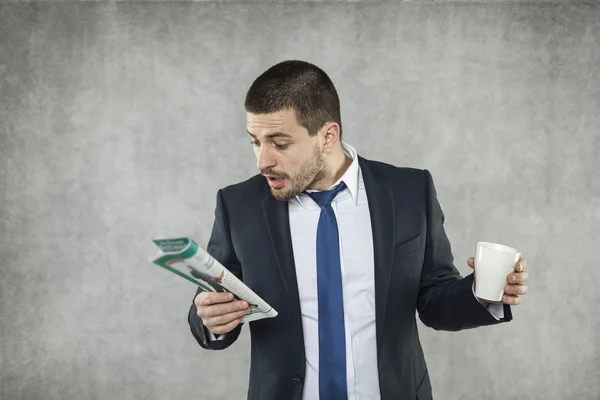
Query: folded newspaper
pixel 182 256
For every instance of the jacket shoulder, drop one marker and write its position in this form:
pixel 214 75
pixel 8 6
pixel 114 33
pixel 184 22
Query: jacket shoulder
pixel 242 193
pixel 394 174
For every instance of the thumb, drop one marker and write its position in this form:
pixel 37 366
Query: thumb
pixel 471 262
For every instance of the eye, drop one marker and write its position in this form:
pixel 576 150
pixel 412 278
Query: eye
pixel 255 142
pixel 281 146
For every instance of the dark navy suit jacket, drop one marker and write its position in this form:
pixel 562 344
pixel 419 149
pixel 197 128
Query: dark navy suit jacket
pixel 414 272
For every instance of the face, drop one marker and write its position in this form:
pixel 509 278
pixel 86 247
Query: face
pixel 286 155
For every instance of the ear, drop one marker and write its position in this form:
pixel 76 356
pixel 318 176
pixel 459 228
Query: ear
pixel 331 136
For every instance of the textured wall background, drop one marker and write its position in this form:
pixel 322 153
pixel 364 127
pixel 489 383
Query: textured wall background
pixel 119 121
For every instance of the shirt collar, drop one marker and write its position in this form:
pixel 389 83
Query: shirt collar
pixel 350 177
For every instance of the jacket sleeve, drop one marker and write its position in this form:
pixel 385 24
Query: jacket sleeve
pixel 446 300
pixel 221 248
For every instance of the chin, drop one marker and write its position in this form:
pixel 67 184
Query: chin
pixel 281 194
pixel 284 194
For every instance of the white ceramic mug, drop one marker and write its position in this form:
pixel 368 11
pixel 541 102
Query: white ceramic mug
pixel 493 263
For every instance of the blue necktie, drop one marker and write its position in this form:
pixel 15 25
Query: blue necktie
pixel 332 340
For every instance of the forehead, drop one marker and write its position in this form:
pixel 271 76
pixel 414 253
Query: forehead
pixel 282 121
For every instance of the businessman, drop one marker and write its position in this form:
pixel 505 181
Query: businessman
pixel 347 250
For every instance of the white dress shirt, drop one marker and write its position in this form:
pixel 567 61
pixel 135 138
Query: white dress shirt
pixel 358 282
pixel 351 209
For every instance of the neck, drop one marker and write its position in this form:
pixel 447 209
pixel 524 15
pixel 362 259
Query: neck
pixel 337 164
pixel 340 168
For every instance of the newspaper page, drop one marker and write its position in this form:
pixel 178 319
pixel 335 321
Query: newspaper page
pixel 183 257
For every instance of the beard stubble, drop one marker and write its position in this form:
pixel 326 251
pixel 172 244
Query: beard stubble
pixel 311 173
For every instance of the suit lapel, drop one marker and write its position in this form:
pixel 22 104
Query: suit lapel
pixel 381 208
pixel 278 222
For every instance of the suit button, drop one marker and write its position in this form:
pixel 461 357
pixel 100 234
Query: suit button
pixel 297 379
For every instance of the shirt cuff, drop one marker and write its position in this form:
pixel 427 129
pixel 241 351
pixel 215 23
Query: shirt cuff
pixel 213 337
pixel 497 310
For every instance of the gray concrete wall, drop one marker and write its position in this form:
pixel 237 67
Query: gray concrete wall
pixel 119 121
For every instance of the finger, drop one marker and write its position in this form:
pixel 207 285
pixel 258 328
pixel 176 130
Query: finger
pixel 216 310
pixel 208 298
pixel 516 289
pixel 471 262
pixel 511 300
pixel 222 309
pixel 521 265
pixel 224 319
pixel 219 297
pixel 218 330
pixel 518 277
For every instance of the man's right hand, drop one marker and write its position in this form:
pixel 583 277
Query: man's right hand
pixel 218 312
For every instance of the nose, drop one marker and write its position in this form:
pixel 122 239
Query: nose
pixel 265 158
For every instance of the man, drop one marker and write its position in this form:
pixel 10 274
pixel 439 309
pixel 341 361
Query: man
pixel 346 249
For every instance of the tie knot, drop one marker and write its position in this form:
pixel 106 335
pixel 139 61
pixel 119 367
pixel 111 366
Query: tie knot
pixel 326 197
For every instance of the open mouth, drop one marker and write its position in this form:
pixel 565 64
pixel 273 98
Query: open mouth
pixel 275 182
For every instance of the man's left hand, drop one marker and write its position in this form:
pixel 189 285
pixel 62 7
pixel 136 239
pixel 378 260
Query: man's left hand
pixel 515 283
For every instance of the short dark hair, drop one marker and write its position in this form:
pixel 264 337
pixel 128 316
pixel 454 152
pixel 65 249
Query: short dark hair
pixel 297 85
